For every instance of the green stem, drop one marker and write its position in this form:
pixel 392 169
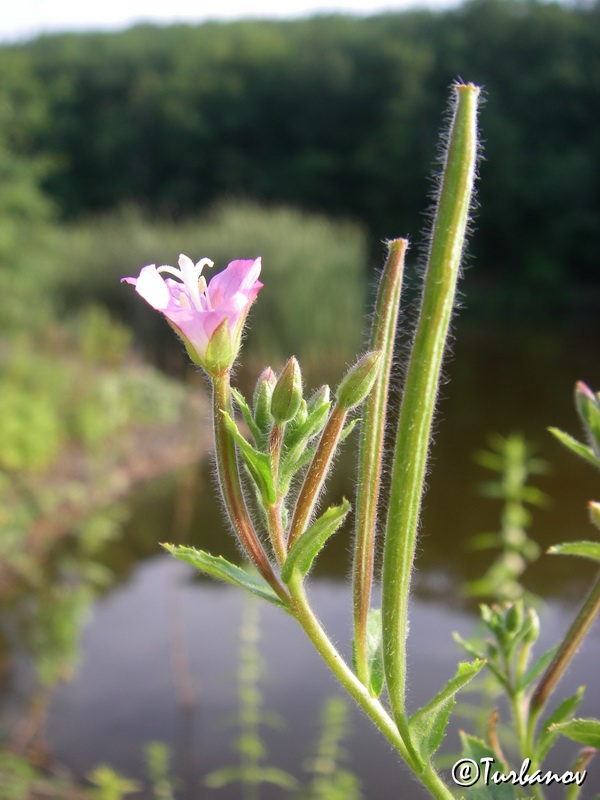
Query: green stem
pixel 410 457
pixel 229 481
pixel 300 608
pixel 317 472
pixel 370 456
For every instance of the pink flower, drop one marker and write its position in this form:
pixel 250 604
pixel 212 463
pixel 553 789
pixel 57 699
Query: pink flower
pixel 209 318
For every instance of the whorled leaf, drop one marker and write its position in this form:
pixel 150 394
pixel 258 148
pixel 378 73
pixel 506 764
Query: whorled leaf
pixel 219 567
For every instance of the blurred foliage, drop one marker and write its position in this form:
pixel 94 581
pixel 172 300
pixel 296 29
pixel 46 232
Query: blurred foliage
pixel 512 458
pixel 332 114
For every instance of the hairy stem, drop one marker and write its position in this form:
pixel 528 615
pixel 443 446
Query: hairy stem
pixel 229 481
pixel 416 413
pixel 370 456
pixel 301 609
pixel 317 472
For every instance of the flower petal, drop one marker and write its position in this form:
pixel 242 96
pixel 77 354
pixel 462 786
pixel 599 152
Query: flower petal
pixel 151 287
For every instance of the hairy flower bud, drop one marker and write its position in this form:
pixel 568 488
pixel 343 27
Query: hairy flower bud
pixel 287 394
pixel 262 399
pixel 358 381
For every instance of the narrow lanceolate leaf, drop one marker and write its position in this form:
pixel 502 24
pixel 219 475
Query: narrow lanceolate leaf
pixel 475 750
pixel 247 414
pixel 375 652
pixel 258 464
pixel 538 667
pixel 584 731
pixel 219 567
pixel 311 542
pixel 428 725
pixel 546 737
pixel 589 550
pixel 576 447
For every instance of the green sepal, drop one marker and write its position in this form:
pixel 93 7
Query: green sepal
pixel 286 399
pixel 584 549
pixel 247 414
pixel 581 450
pixel 584 731
pixel 428 725
pixel 476 749
pixel 258 464
pixel 309 545
pixel 546 737
pixel 219 567
pixel 261 404
pixel 220 353
pixel 358 381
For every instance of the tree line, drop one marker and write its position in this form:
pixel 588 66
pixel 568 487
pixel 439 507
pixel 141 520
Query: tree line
pixel 334 114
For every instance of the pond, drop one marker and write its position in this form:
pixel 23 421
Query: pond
pixel 160 652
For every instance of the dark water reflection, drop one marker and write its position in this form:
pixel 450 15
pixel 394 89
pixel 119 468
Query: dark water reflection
pixel 160 626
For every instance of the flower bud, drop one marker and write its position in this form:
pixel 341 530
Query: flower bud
pixel 287 394
pixel 594 509
pixel 589 410
pixel 514 617
pixel 358 381
pixel 319 399
pixel 533 628
pixel 262 399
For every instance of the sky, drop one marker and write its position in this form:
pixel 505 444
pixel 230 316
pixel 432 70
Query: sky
pixel 22 19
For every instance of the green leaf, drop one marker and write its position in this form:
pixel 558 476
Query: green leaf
pixel 428 725
pixel 219 567
pixel 311 426
pixel 259 464
pixel 290 467
pixel 348 429
pixel 375 652
pixel 247 414
pixel 538 667
pixel 584 731
pixel 589 550
pixel 576 447
pixel 546 737
pixel 475 749
pixel 309 545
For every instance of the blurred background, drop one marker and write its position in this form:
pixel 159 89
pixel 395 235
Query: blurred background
pixel 308 141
